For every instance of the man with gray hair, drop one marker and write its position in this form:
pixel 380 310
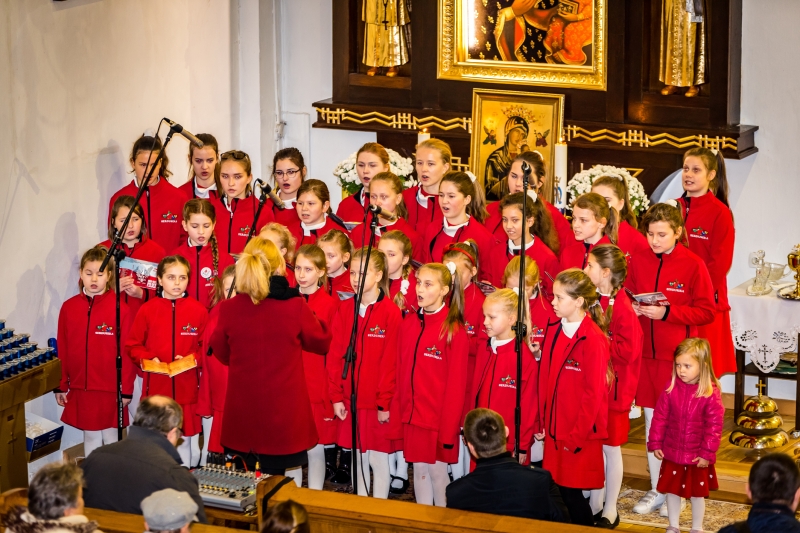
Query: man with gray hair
pixel 120 475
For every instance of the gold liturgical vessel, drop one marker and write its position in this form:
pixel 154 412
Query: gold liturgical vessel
pixel 759 426
pixel 793 293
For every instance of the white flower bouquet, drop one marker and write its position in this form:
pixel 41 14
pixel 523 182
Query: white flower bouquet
pixel 581 183
pixel 347 174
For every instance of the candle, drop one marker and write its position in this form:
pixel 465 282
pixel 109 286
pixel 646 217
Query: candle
pixel 560 175
pixel 423 136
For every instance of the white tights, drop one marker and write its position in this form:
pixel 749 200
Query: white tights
pixel 461 467
pixel 189 451
pixel 430 483
pixel 296 474
pixel 379 461
pixel 94 439
pixel 316 467
pixel 398 467
pixel 137 397
pixel 612 456
pixel 653 463
pixel 674 511
pixel 207 423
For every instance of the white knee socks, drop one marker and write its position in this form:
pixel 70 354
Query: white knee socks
pixel 458 469
pixel 316 467
pixel 440 480
pixel 653 463
pixel 296 474
pixel 207 423
pixel 379 461
pixel 698 512
pixel 430 482
pixel 94 439
pixel 613 455
pixel 398 467
pixel 189 451
pixel 137 397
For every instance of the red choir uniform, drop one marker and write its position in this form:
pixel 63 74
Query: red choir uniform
pixel 354 207
pixel 213 386
pixel 573 395
pixel 431 380
pixel 340 283
pixel 360 236
pixel 423 209
pixel 315 367
pixel 375 366
pixel 288 215
pixel 709 228
pixel 576 255
pixel 87 348
pixel 309 234
pixel 165 329
pixel 476 333
pixel 630 241
pixel 625 344
pixel 163 208
pixel 535 249
pixel 235 219
pixel 190 190
pixel 410 296
pixel 290 275
pixel 265 368
pixel 436 238
pixel 494 223
pixel 144 250
pixel 495 388
pixel 683 278
pixel 203 273
pixel 542 314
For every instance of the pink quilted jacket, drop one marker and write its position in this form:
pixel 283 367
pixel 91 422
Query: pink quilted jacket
pixel 685 427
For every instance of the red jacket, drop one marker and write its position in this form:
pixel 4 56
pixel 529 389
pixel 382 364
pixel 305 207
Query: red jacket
pixel 575 256
pixel 354 207
pixel 287 216
pixel 376 354
pixel 214 377
pixel 432 375
pixel 189 191
pixel 267 393
pixel 145 250
pixel 541 314
pixel 473 323
pixel 360 236
pixel 563 228
pixel 545 259
pixel 234 222
pixel 573 374
pixel 163 209
pixel 436 239
pixel 422 216
pixel 495 388
pixel 625 338
pixel 630 241
pixel 684 280
pixel 494 223
pixel 165 328
pixel 203 273
pixel 410 296
pixel 324 308
pixel 301 238
pixel 340 283
pixel 709 227
pixel 87 344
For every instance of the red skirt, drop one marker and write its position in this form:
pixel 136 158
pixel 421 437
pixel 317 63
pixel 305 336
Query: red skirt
pixel 192 422
pixel 91 410
pixel 371 434
pixel 654 377
pixel 397 445
pixel 582 470
pixel 423 446
pixel 214 444
pixel 718 333
pixel 328 430
pixel 618 427
pixel 686 481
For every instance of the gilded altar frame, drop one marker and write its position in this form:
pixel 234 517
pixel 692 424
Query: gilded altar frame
pixel 453 62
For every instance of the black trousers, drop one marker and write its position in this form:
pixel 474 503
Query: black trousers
pixel 579 509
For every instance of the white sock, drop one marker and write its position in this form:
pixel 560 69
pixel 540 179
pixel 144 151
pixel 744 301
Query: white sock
pixel 91 441
pixel 296 474
pixel 423 485
pixel 614 474
pixel 537 451
pixel 316 467
pixel 698 513
pixel 401 469
pixel 440 480
pixel 137 397
pixel 674 509
pixel 207 423
pixel 596 496
pixel 379 461
pixel 653 463
pixel 457 468
pixel 189 451
pixel 363 473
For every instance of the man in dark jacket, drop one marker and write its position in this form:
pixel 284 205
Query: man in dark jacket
pixel 120 475
pixel 774 489
pixel 499 484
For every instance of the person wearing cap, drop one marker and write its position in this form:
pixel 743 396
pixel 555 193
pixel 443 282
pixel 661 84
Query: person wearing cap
pixel 169 511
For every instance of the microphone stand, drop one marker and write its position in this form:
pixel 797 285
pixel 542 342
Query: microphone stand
pixel 519 328
pixel 350 355
pixel 262 199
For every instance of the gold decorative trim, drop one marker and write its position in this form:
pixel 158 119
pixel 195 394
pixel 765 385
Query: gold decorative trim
pixel 646 140
pixel 398 121
pixel 453 62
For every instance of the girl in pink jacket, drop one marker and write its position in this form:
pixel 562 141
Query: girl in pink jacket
pixel 686 431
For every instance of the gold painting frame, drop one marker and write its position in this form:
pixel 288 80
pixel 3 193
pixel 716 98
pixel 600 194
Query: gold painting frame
pixel 539 117
pixel 453 62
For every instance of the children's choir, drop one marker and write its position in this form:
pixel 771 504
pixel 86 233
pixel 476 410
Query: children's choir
pixel 269 331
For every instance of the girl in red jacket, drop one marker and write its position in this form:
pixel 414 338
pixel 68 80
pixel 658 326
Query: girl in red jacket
pixel 338 249
pixel 539 239
pixel 607 268
pixel 239 201
pixel 88 352
pixel 573 387
pixel 201 250
pixel 686 432
pixel 167 329
pixel 313 208
pixel 422 200
pixel 371 160
pixel 593 223
pixel 615 191
pixel 709 228
pixel 669 268
pixel 289 171
pixel 284 240
pixel 386 192
pixel 310 275
pixel 432 378
pixel 397 248
pixel 463 209
pixel 162 202
pixel 536 185
pixel 204 170
pixel 376 360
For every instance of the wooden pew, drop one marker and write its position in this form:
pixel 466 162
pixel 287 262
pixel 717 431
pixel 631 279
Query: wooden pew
pixel 333 512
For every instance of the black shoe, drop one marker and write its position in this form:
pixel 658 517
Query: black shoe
pixel 605 523
pixel 598 515
pixel 330 462
pixel 401 490
pixel 342 474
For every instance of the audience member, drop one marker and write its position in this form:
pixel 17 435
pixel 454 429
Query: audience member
pixel 169 511
pixel 286 517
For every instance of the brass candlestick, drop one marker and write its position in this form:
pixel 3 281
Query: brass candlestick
pixel 790 293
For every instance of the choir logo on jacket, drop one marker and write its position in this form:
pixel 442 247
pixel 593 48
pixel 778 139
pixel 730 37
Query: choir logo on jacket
pixel 104 329
pixel 537 332
pixel 189 329
pixel 470 328
pixel 244 231
pixel 169 216
pixel 377 332
pixel 432 351
pixel 508 382
pixel 699 233
pixel 572 364
pixel 206 273
pixel 675 286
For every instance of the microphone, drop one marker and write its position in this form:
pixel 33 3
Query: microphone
pixel 377 210
pixel 272 196
pixel 177 128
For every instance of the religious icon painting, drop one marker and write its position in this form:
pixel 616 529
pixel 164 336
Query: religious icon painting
pixel 507 123
pixel 556 43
